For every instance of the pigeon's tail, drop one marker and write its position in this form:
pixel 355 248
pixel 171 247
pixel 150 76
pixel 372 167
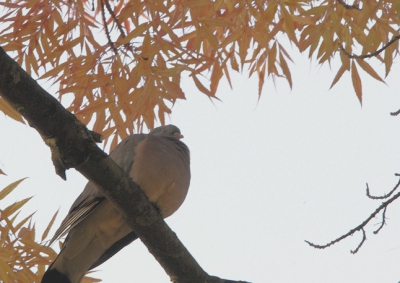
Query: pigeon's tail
pixel 54 276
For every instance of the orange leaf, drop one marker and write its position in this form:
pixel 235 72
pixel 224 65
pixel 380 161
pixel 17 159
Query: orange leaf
pixel 288 24
pixel 388 59
pixel 9 111
pixel 210 37
pixel 366 67
pixel 201 87
pixel 138 31
pixel 216 22
pixel 338 75
pixel 356 81
pixel 261 79
pixel 285 69
pixel 272 58
pixel 173 89
pixel 215 77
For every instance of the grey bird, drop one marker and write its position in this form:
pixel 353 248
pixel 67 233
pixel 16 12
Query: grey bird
pixel 160 164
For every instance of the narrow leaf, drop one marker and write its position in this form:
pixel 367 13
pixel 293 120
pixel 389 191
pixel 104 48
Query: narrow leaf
pixel 9 111
pixel 285 69
pixel 356 81
pixel 46 231
pixel 201 87
pixel 338 75
pixel 366 67
pixel 16 206
pixel 9 188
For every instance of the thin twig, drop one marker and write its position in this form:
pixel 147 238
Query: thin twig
pixel 353 56
pixel 386 195
pixel 103 13
pixel 359 227
pixel 115 18
pixel 361 243
pixel 395 113
pixel 349 7
pixel 382 223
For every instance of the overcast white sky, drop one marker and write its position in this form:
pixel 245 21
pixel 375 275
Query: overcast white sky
pixel 266 175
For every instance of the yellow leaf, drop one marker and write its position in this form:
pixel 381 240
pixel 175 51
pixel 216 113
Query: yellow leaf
pixel 9 111
pixel 19 225
pixel 46 231
pixel 397 8
pixel 4 192
pixel 14 207
pixel 356 81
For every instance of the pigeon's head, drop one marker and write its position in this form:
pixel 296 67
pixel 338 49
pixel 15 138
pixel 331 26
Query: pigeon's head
pixel 168 130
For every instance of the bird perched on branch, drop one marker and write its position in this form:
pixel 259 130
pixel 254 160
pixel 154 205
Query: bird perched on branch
pixel 160 164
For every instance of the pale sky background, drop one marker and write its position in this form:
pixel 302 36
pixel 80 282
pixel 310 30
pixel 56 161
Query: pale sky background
pixel 266 175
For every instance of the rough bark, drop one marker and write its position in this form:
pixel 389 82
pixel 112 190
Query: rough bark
pixel 73 146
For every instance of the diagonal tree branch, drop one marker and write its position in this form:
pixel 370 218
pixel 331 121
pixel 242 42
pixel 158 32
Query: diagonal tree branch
pixel 73 146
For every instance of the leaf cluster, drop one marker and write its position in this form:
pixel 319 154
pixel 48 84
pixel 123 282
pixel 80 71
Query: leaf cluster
pixel 120 63
pixel 22 259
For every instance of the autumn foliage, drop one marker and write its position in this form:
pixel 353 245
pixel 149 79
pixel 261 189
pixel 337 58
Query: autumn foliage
pixel 22 258
pixel 119 63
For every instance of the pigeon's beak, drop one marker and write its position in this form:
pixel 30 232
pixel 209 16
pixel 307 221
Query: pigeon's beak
pixel 178 136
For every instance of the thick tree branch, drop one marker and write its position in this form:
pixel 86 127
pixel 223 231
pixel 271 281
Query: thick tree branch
pixel 72 145
pixel 362 226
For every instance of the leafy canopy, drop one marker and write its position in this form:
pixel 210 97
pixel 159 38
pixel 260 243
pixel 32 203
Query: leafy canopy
pixel 120 63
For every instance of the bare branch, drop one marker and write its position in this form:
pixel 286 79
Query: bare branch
pixel 361 243
pixel 353 56
pixel 121 30
pixel 360 227
pixel 103 14
pixel 349 7
pixel 395 113
pixel 386 195
pixel 382 223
